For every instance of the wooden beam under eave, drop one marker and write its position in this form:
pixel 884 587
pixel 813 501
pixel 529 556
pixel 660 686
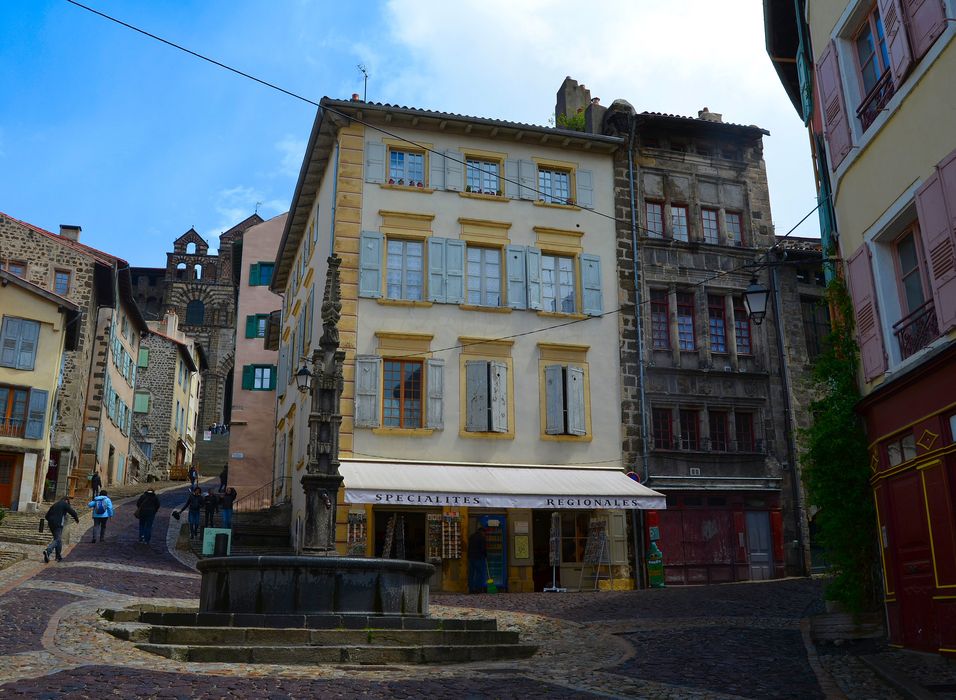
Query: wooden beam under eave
pixel 566 142
pixel 783 59
pixel 414 121
pixel 519 135
pixel 587 145
pixel 544 138
pixel 388 117
pixel 468 128
pixel 494 132
pixel 442 124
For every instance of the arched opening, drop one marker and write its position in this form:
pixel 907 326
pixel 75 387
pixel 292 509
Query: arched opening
pixel 197 270
pixel 195 313
pixel 191 248
pixel 181 271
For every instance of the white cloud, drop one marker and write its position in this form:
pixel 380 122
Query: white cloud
pixel 291 151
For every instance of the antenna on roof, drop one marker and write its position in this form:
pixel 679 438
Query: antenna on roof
pixel 258 204
pixel 361 67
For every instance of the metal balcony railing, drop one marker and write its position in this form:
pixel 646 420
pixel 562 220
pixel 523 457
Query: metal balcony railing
pixel 273 493
pixel 11 427
pixel 876 100
pixel 708 445
pixel 916 331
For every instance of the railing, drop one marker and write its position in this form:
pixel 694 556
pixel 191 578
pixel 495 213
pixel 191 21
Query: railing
pixel 876 100
pixel 11 427
pixel 708 445
pixel 273 493
pixel 916 331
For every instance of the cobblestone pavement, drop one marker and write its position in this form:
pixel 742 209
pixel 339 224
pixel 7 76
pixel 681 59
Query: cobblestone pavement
pixel 732 641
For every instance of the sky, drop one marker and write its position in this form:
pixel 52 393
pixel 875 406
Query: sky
pixel 137 142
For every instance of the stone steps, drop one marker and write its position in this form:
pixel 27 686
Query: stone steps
pixel 22 528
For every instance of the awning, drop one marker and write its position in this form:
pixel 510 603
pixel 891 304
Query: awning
pixel 498 486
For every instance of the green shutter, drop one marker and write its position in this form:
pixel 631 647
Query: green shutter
pixel 143 360
pixel 252 326
pixel 273 370
pixel 248 376
pixel 254 275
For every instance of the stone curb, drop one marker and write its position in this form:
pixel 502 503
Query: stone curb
pixel 904 685
pixel 829 686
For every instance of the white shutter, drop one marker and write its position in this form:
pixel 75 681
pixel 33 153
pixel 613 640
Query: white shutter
pixel 436 171
pixel 517 274
pixel 454 271
pixel 533 256
pixel 435 387
pixel 585 189
pixel 10 342
pixel 367 372
pixel 527 176
pixel 574 398
pixel 374 162
pixel 476 396
pixel 454 179
pixel 370 264
pixel 554 399
pixel 499 396
pixel 436 269
pixel 591 281
pixel 511 179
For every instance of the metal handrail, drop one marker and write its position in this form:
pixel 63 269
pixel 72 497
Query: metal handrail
pixel 269 494
pixel 917 330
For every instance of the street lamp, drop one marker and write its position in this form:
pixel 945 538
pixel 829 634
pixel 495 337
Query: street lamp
pixel 755 299
pixel 303 378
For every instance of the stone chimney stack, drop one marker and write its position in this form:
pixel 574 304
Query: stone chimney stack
pixel 709 116
pixel 571 98
pixel 71 233
pixel 172 324
pixel 594 116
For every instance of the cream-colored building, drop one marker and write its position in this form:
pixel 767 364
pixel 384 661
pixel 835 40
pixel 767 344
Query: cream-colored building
pixel 37 326
pixel 480 325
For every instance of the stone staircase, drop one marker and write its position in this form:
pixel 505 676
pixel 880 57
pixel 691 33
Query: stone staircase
pixel 255 533
pixel 187 635
pixel 22 527
pixel 211 455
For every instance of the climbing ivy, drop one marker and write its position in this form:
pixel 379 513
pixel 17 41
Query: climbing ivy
pixel 836 468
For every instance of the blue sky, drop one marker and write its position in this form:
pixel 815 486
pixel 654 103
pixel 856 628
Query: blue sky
pixel 136 142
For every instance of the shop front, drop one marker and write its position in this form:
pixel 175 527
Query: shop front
pixel 541 526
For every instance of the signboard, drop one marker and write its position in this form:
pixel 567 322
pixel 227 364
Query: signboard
pixel 207 435
pixel 482 500
pixel 238 455
pixel 522 547
pixel 209 540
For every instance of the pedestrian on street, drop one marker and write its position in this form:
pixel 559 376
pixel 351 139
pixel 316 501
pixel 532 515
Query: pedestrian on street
pixel 211 504
pixel 96 483
pixel 147 506
pixel 102 511
pixel 56 519
pixel 477 561
pixel 193 476
pixel 223 477
pixel 228 498
pixel 194 503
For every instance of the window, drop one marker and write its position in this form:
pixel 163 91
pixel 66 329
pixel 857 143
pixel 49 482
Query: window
pixel 557 284
pixel 718 323
pixel 17 268
pixel 402 394
pixel 654 212
pixel 718 430
pixel 564 400
pixel 908 261
pixel 690 430
pixel 679 222
pixel 685 322
pixel 745 431
pixel 406 168
pixel 404 277
pixel 735 235
pixel 742 328
pixel 141 402
pixel 663 429
pixel 554 186
pixel 124 325
pixel 873 60
pixel 18 343
pixel 13 411
pixel 574 536
pixel 816 325
pixel 482 176
pixel 260 274
pixel 195 313
pixel 660 324
pixel 143 359
pixel 486 396
pixel 263 378
pixel 708 219
pixel 901 449
pixel 256 325
pixel 484 276
pixel 61 282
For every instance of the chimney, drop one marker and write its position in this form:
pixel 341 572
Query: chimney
pixel 172 324
pixel 71 233
pixel 709 116
pixel 571 98
pixel 355 97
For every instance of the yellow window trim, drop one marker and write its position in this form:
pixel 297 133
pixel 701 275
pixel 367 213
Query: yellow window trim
pixel 308 277
pixel 402 302
pixel 484 231
pixel 402 145
pixel 296 308
pixel 406 188
pixel 479 154
pixel 286 333
pixel 559 241
pixel 563 352
pixel 404 432
pixel 561 314
pixel 409 344
pixel 549 164
pixel 552 205
pixel 399 145
pixel 300 463
pixel 488 197
pixel 542 389
pixel 487 349
pixel 406 219
pixel 486 309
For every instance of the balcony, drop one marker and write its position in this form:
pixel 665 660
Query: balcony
pixel 711 446
pixel 876 100
pixel 916 331
pixel 11 427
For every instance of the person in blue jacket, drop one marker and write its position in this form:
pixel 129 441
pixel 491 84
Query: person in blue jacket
pixel 102 511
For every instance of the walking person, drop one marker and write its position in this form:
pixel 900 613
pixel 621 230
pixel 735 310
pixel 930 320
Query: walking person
pixel 193 476
pixel 96 483
pixel 477 561
pixel 102 511
pixel 56 519
pixel 211 505
pixel 223 478
pixel 147 506
pixel 194 503
pixel 228 499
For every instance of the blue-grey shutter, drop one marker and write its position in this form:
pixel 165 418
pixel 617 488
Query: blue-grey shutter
pixel 454 271
pixel 517 277
pixel 591 281
pixel 370 264
pixel 554 399
pixel 574 397
pixel 367 372
pixel 436 269
pixel 29 335
pixel 511 179
pixel 533 257
pixel 374 162
pixel 454 179
pixel 37 415
pixel 585 189
pixel 10 342
pixel 476 396
pixel 436 171
pixel 436 382
pixel 283 362
pixel 499 397
pixel 527 176
pixel 311 310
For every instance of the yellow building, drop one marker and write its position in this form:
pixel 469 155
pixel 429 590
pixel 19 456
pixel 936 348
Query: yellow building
pixel 37 326
pixel 482 371
pixel 875 83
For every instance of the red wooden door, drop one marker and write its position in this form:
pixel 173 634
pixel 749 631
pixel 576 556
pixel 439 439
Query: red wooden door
pixel 909 539
pixel 6 480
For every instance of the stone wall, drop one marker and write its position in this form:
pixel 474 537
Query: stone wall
pixel 158 379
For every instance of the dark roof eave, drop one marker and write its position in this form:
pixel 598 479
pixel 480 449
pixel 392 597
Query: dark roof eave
pixel 703 124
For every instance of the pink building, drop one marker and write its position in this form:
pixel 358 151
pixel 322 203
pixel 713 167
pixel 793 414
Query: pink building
pixel 252 433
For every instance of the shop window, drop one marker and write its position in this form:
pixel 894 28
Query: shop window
pixel 574 536
pixel 402 394
pixel 660 323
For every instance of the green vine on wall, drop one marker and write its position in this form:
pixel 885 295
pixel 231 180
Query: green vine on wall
pixel 836 465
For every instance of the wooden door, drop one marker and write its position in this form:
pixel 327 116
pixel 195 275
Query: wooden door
pixel 759 550
pixel 7 463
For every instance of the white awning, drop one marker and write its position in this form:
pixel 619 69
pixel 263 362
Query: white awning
pixel 498 486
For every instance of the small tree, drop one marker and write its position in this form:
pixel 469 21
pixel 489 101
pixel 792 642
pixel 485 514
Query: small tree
pixel 836 465
pixel 574 122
